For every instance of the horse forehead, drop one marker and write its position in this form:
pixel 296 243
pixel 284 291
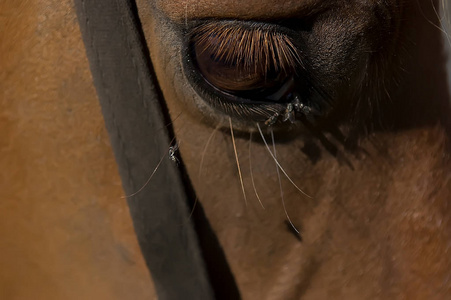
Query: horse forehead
pixel 178 10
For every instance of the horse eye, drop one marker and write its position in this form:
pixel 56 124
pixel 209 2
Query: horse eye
pixel 246 64
pixel 225 70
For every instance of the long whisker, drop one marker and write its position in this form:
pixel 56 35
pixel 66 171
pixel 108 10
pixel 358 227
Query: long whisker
pixel 172 122
pixel 205 149
pixel 151 175
pixel 443 23
pixel 200 166
pixel 441 27
pixel 278 164
pixel 280 184
pixel 237 161
pixel 250 169
pixel 194 207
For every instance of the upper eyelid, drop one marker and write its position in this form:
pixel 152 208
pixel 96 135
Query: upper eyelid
pixel 252 44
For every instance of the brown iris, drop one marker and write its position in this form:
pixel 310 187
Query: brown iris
pixel 241 59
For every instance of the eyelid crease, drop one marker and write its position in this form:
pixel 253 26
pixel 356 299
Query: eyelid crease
pixel 265 10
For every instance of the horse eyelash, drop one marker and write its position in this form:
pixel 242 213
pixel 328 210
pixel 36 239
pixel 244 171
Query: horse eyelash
pixel 258 46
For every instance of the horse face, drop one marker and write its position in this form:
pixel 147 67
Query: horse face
pixel 324 53
pixel 335 70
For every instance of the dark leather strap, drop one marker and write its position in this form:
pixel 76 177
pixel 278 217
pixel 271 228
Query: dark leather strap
pixel 129 96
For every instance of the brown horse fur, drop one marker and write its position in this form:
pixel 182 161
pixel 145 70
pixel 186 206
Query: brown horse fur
pixel 65 232
pixel 378 225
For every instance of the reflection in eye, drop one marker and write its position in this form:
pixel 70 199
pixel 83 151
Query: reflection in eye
pixel 252 61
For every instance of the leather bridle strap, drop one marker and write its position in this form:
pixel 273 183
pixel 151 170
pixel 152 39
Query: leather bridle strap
pixel 129 97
